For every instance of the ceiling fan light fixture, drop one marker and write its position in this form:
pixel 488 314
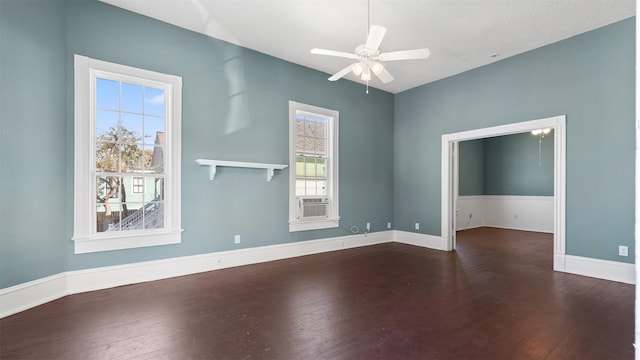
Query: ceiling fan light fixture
pixel 366 74
pixel 377 68
pixel 368 57
pixel 358 68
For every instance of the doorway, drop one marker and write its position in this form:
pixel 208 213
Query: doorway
pixel 450 178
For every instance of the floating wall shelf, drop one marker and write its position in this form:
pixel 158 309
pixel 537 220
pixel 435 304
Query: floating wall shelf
pixel 212 164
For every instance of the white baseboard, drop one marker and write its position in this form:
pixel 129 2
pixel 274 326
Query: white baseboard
pixel 31 294
pixel 24 296
pixel 424 240
pixel 601 269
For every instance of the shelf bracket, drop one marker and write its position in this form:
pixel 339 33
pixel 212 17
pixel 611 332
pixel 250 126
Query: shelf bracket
pixel 270 173
pixel 212 172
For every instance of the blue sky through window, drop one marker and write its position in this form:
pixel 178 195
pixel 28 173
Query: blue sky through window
pixel 138 108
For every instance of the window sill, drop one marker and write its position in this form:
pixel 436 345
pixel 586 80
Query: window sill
pixel 99 243
pixel 313 225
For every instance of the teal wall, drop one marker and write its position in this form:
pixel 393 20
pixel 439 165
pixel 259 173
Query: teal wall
pixel 590 78
pixel 515 165
pixel 471 167
pixel 507 165
pixel 235 107
pixel 33 141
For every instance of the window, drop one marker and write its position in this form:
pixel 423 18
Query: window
pixel 138 185
pixel 127 157
pixel 313 199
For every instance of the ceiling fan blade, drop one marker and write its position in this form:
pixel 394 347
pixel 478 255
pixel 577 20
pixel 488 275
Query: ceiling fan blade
pixel 341 73
pixel 384 76
pixel 405 55
pixel 334 53
pixel 376 34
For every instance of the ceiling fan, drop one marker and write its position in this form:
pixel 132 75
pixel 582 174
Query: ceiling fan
pixel 369 58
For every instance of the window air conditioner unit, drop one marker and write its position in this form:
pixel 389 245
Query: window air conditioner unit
pixel 314 207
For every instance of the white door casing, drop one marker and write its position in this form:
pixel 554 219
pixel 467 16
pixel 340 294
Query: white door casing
pixel 450 180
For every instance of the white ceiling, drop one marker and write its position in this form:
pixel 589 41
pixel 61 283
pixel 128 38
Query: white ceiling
pixel 461 34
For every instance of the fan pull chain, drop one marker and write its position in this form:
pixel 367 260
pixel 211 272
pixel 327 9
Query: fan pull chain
pixel 367 86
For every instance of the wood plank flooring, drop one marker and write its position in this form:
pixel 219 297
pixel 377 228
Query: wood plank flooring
pixel 496 297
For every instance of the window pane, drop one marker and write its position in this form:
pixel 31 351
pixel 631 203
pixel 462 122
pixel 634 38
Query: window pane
pixel 132 216
pixel 153 101
pixel 309 128
pixel 154 215
pixel 106 218
pixel 107 157
pixel 108 208
pixel 154 188
pixel 311 187
pixel 157 159
pixel 131 98
pixel 321 140
pixel 106 124
pixel 131 158
pixel 154 130
pixel 321 129
pixel 131 129
pixel 300 139
pixel 321 170
pixel 321 187
pixel 300 167
pixel 101 221
pixel 311 167
pixel 107 187
pixel 107 94
pixel 127 193
pixel 300 187
pixel 147 157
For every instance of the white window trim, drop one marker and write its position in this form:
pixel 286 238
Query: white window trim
pixel 333 220
pixel 85 238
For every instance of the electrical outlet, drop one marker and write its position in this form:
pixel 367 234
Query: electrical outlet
pixel 623 250
pixel 368 226
pixel 417 226
pixel 236 239
pixel 388 225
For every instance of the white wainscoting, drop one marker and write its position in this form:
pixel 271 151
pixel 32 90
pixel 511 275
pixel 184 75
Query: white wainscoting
pixel 530 213
pixel 470 212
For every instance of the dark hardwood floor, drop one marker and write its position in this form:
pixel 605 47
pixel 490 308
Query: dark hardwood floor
pixel 495 298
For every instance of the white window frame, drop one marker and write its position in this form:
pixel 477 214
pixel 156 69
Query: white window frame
pixel 333 218
pixel 86 238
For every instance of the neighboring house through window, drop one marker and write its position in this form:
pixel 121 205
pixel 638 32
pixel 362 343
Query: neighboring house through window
pixel 127 138
pixel 313 134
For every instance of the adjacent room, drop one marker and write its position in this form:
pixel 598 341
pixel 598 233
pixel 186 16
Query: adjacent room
pixel 366 179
